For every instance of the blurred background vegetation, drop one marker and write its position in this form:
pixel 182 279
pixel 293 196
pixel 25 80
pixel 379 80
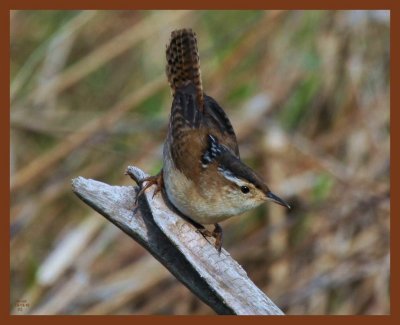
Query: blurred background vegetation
pixel 308 95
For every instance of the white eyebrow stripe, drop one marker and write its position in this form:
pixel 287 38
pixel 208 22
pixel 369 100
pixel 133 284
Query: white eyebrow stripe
pixel 231 177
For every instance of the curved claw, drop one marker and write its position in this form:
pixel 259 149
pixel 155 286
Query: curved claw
pixel 205 233
pixel 150 181
pixel 216 233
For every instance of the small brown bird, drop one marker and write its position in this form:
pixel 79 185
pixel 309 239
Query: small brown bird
pixel 202 177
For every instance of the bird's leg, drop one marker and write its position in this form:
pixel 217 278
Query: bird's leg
pixel 151 180
pixel 216 233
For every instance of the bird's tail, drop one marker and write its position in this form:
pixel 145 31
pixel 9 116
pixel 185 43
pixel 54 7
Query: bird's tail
pixel 183 62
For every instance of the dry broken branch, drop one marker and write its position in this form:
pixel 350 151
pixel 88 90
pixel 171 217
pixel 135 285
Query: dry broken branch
pixel 216 279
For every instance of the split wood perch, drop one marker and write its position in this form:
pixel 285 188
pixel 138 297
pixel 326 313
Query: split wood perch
pixel 218 280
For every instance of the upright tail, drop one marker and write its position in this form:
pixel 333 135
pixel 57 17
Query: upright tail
pixel 183 62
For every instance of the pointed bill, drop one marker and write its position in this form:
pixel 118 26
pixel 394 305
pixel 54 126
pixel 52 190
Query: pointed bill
pixel 274 198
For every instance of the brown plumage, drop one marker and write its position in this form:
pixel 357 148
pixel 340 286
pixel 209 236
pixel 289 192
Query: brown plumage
pixel 183 62
pixel 202 177
pixel 194 115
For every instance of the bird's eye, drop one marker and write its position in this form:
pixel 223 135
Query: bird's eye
pixel 244 189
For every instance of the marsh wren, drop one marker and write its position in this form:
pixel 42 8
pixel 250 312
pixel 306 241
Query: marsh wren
pixel 203 176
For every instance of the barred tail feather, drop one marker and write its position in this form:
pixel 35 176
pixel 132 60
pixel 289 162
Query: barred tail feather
pixel 183 62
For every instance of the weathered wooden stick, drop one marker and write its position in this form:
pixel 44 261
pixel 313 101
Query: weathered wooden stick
pixel 218 280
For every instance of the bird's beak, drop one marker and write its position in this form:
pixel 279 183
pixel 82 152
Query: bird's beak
pixel 271 196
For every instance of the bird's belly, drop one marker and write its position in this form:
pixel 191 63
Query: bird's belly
pixel 183 195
